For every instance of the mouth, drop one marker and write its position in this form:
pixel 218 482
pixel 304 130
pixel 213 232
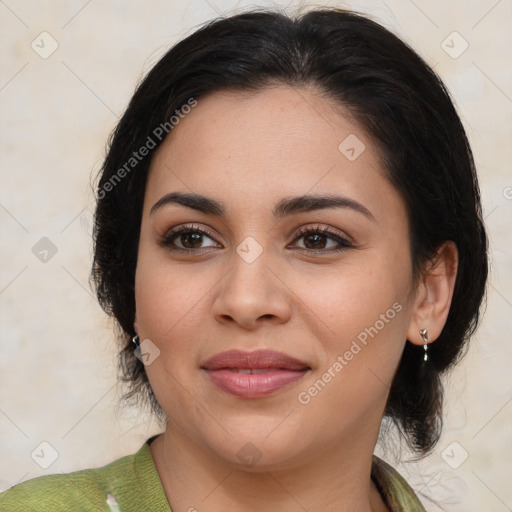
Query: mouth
pixel 252 371
pixel 254 374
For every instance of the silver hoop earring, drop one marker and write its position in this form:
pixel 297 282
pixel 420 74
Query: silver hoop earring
pixel 424 336
pixel 136 340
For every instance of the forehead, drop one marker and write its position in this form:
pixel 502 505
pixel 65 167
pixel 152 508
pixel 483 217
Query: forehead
pixel 278 118
pixel 275 142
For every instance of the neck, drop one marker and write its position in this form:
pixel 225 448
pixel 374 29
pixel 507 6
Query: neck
pixel 194 479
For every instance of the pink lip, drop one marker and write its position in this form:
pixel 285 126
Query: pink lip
pixel 280 370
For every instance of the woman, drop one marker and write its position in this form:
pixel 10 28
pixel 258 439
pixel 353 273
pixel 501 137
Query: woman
pixel 289 235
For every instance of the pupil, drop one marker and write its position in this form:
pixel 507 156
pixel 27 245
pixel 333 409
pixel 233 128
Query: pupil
pixel 315 241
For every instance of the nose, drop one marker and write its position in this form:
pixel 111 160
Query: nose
pixel 252 294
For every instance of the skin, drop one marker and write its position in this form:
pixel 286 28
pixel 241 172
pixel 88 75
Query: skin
pixel 249 152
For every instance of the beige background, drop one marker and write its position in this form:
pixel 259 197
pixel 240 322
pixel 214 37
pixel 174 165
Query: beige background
pixel 57 372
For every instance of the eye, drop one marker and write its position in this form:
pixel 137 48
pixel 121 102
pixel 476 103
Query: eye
pixel 317 239
pixel 188 238
pixel 321 239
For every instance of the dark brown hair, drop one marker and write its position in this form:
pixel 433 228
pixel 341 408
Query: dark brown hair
pixel 396 98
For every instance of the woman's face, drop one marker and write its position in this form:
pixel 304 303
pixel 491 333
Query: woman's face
pixel 269 225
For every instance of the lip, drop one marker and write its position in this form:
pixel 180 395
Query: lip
pixel 254 374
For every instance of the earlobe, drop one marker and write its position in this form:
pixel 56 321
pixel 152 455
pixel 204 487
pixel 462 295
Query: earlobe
pixel 434 295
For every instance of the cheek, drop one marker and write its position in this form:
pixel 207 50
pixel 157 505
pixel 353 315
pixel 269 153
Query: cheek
pixel 173 304
pixel 360 314
pixel 168 306
pixel 360 321
pixel 353 297
pixel 167 299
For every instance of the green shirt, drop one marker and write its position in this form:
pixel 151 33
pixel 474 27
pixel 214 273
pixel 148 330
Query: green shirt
pixel 132 484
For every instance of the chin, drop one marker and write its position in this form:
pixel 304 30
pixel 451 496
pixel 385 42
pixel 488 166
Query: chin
pixel 260 453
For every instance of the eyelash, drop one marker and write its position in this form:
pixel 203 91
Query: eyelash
pixel 168 239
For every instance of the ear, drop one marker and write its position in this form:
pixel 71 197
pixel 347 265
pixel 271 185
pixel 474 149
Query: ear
pixel 434 294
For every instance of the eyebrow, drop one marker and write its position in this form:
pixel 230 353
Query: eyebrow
pixel 287 206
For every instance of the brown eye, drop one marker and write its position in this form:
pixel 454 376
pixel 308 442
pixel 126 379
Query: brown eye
pixel 320 240
pixel 188 239
pixel 315 241
pixel 191 240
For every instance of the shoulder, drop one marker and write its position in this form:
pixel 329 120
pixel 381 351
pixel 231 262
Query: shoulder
pixel 87 490
pixel 56 493
pixel 396 492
